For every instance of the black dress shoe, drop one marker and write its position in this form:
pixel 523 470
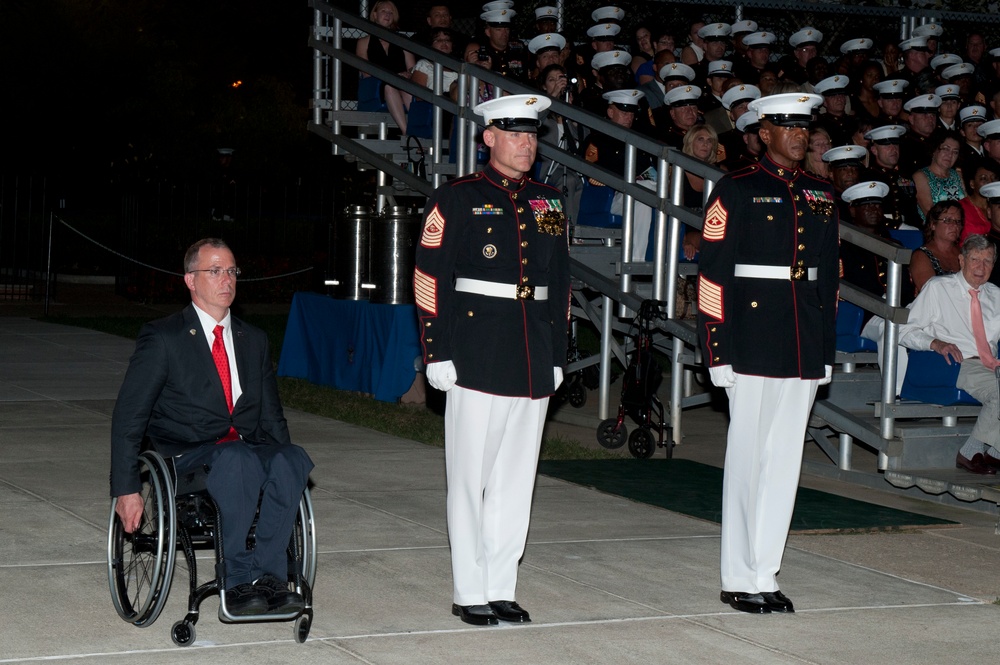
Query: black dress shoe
pixel 477 615
pixel 244 600
pixel 975 465
pixel 992 462
pixel 508 610
pixel 753 603
pixel 279 599
pixel 777 601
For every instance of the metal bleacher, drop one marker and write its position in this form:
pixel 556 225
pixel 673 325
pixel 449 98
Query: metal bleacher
pixel 866 433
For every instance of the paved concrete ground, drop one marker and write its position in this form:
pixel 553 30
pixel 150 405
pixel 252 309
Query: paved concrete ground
pixel 607 580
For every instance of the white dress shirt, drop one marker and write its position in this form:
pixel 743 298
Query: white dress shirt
pixel 942 311
pixel 208 324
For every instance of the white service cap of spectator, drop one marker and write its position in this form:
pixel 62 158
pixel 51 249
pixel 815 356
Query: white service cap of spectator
pixel 742 27
pixel 914 44
pixel 609 13
pixel 859 45
pixel 845 155
pixel 682 95
pixel 833 85
pixel 546 12
pixel 759 40
pixel 995 52
pixel 720 68
pixel 886 134
pixel 514 113
pixel 739 93
pixel 748 122
pixel 715 32
pixel 626 99
pixel 891 87
pixel 805 36
pixel 945 60
pixel 793 109
pixel 949 91
pixel 498 17
pixel 933 30
pixel 958 71
pixel 676 71
pixel 604 31
pixel 545 42
pixel 989 130
pixel 991 192
pixel 869 191
pixel 923 104
pixel 498 4
pixel 974 113
pixel 609 58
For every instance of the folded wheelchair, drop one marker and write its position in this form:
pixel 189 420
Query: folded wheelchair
pixel 180 512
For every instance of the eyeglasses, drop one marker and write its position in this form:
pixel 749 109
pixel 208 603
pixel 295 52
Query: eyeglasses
pixel 217 272
pixel 950 220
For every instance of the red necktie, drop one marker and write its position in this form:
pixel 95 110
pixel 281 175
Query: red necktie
pixel 979 333
pixel 222 365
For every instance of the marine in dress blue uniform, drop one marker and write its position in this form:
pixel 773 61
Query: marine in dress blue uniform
pixel 492 289
pixel 767 306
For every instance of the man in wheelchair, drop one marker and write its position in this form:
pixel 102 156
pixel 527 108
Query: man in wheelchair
pixel 200 388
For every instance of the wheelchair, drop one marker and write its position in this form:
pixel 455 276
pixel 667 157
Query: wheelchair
pixel 179 512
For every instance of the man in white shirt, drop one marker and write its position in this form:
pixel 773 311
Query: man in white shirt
pixel 942 319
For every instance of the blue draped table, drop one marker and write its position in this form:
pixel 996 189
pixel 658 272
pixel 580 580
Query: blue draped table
pixel 351 345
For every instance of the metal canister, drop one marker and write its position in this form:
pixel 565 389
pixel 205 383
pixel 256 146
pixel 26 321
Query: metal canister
pixel 352 253
pixel 394 237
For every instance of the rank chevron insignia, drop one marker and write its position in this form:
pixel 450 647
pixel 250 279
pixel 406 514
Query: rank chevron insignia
pixel 715 221
pixel 433 229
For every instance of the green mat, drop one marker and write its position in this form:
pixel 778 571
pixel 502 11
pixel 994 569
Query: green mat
pixel 695 489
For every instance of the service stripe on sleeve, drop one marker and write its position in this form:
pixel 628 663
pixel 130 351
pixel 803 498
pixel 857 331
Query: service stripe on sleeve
pixel 433 229
pixel 715 221
pixel 710 298
pixel 425 291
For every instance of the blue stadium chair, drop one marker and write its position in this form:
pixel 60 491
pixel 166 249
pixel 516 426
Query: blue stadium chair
pixel 595 207
pixel 930 379
pixel 849 321
pixel 370 95
pixel 908 238
pixel 420 119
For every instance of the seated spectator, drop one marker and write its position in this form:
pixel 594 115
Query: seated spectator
pixel 564 133
pixel 939 255
pixel 642 47
pixel 861 267
pixel 819 144
pixel 865 101
pixel 974 205
pixel 702 143
pixel 939 181
pixel 471 56
pixel 389 56
pixel 958 316
pixel 423 71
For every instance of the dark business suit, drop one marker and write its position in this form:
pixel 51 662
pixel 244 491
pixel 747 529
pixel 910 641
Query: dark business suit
pixel 172 394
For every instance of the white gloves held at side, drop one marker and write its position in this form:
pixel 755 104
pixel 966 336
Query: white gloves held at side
pixel 724 377
pixel 442 375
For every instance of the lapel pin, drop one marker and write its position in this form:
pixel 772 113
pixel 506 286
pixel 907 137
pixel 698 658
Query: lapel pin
pixel 192 331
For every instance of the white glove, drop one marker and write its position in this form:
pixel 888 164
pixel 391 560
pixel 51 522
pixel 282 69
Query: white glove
pixel 442 375
pixel 722 376
pixel 828 377
pixel 558 377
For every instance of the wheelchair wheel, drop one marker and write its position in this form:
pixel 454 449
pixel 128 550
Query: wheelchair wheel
pixel 141 564
pixel 304 540
pixel 182 633
pixel 577 394
pixel 610 434
pixel 641 444
pixel 302 626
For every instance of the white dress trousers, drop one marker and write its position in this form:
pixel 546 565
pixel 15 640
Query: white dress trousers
pixel 768 419
pixel 491 455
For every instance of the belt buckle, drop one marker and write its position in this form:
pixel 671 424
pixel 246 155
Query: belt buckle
pixel 797 273
pixel 525 292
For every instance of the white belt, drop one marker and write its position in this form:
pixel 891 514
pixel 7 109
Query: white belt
pixel 498 290
pixel 776 272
